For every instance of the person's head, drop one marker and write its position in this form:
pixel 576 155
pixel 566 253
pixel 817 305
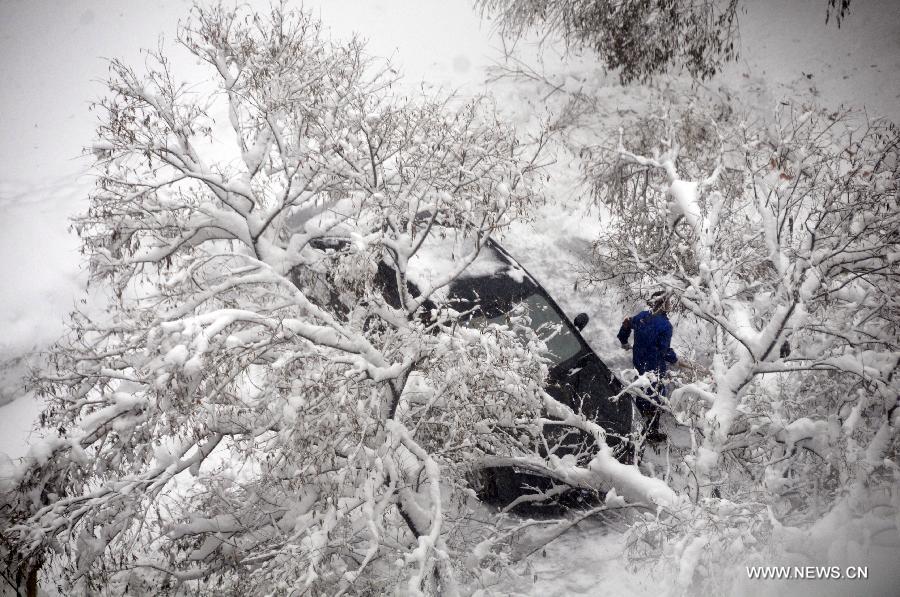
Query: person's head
pixel 660 301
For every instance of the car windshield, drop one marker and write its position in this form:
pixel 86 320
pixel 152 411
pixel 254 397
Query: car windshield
pixel 562 344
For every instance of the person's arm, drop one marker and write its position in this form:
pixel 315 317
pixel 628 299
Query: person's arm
pixel 624 332
pixel 665 341
pixel 671 357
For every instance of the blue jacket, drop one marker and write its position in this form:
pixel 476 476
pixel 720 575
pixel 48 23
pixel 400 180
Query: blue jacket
pixel 652 335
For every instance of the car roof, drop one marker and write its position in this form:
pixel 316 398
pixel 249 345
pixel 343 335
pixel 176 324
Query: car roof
pixel 446 249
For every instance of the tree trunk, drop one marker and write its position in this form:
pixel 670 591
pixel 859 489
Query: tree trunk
pixel 31 582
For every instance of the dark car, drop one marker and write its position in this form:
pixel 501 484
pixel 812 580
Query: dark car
pixel 577 376
pixel 487 291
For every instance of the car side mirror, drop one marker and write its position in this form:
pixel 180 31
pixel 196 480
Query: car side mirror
pixel 580 321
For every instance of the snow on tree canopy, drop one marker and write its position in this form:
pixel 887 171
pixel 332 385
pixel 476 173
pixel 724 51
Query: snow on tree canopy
pixel 271 404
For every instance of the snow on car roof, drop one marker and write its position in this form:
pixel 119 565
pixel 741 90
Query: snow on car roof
pixel 446 250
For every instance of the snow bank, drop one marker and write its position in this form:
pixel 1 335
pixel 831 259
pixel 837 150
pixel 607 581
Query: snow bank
pixel 40 264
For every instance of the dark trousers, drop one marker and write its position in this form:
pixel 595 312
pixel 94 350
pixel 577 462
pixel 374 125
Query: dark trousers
pixel 648 405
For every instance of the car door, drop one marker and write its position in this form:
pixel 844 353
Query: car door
pixel 594 390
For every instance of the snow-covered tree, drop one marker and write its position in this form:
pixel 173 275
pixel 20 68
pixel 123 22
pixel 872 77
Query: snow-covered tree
pixel 780 240
pixel 277 396
pixel 276 373
pixel 638 38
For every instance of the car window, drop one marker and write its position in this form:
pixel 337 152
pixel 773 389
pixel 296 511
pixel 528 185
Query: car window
pixel 562 344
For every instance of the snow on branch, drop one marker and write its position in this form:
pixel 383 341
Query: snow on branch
pixel 248 410
pixel 778 241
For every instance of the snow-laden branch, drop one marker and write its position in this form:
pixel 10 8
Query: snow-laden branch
pixel 248 407
pixel 777 243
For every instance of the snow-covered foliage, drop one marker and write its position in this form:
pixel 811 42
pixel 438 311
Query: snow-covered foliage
pixel 779 240
pixel 277 398
pixel 637 38
pixel 219 358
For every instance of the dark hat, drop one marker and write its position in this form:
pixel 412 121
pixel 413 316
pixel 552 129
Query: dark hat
pixel 658 299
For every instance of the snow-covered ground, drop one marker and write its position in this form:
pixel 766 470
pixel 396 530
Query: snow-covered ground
pixel 52 58
pixel 586 560
pixel 42 281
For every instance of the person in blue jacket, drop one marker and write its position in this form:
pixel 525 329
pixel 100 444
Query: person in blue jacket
pixel 652 353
